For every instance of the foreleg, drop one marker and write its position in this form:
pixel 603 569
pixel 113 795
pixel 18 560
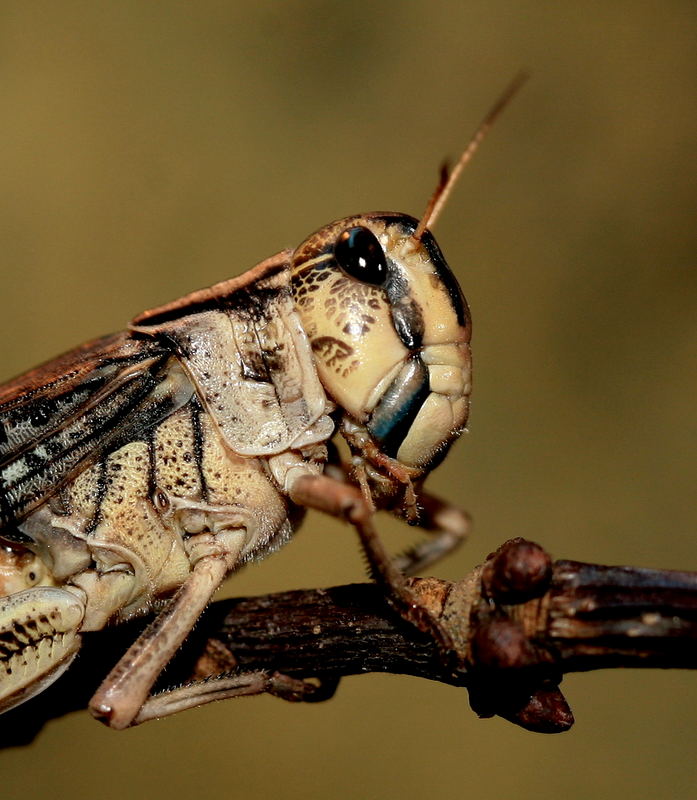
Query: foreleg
pixel 450 527
pixel 347 502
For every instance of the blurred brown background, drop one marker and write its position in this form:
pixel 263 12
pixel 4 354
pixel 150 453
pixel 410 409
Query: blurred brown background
pixel 152 148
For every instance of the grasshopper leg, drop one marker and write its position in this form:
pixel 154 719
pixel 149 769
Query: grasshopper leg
pixel 347 502
pixel 38 640
pixel 450 527
pixel 124 691
pixel 225 687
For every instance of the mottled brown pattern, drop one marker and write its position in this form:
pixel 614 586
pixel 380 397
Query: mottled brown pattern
pixel 334 353
pixel 308 280
pixel 346 306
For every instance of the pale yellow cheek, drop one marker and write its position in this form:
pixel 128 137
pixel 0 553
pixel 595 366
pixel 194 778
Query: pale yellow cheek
pixel 353 341
pixel 374 355
pixel 432 427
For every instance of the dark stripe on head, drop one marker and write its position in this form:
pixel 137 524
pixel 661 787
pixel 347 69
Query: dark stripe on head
pixel 409 323
pixel 444 272
pixel 408 225
pixel 406 313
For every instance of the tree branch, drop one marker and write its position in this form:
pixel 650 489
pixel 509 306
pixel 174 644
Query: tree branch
pixel 518 623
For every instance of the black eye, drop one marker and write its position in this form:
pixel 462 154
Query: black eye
pixel 359 254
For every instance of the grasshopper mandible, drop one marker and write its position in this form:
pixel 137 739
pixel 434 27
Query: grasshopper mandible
pixel 151 463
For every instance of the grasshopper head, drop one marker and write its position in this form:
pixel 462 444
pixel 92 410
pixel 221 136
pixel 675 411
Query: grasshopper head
pixel 390 328
pixel 390 331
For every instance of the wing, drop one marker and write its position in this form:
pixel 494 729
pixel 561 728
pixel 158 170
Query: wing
pixel 58 418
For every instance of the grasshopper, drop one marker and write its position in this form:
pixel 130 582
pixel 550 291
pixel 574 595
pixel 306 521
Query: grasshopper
pixel 140 469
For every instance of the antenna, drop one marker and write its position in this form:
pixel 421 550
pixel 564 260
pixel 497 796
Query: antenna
pixel 448 180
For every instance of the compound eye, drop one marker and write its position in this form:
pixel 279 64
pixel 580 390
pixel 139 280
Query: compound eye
pixel 359 254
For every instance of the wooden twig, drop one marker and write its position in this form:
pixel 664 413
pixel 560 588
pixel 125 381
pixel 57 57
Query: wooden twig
pixel 518 623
